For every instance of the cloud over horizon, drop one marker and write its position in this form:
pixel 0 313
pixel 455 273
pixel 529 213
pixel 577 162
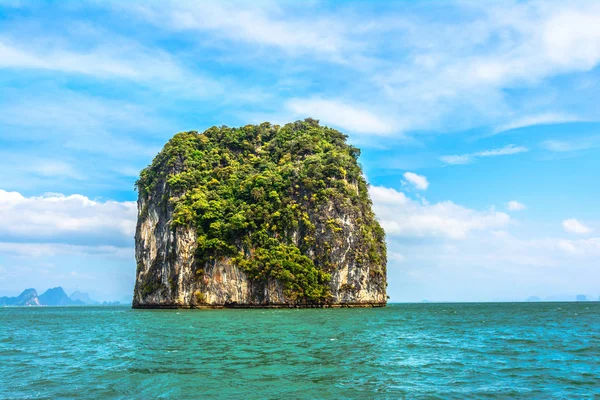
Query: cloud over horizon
pixel 404 217
pixel 71 220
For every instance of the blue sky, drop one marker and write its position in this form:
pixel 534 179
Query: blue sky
pixel 479 127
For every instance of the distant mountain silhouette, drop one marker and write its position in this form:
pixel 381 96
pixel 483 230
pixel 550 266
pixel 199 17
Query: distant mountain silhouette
pixel 84 298
pixel 29 297
pixel 57 297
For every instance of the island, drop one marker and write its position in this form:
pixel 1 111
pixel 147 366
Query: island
pixel 51 297
pixel 258 216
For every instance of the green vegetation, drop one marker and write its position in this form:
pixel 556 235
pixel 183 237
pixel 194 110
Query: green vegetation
pixel 199 297
pixel 261 195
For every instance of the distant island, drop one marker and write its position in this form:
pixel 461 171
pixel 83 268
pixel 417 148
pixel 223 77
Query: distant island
pixel 561 298
pixel 258 216
pixel 52 297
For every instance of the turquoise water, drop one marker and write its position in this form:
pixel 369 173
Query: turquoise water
pixel 526 350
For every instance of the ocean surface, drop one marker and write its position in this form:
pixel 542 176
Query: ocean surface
pixel 487 350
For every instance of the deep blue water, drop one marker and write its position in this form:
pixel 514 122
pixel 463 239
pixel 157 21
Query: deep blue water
pixel 518 350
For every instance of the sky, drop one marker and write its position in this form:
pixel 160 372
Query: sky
pixel 479 124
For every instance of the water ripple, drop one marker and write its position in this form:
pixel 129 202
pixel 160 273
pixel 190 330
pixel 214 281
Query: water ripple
pixel 403 351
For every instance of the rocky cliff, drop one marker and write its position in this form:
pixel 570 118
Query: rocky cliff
pixel 57 297
pixel 28 297
pixel 258 216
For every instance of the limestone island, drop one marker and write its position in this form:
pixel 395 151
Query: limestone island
pixel 261 216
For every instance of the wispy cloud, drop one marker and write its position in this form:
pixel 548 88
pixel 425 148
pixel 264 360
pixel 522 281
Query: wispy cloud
pixel 565 146
pixel 55 168
pixel 539 119
pixel 416 79
pixel 457 159
pixel 506 45
pixel 514 205
pixel 103 61
pixel 468 158
pixel 261 24
pixel 45 250
pixel 350 117
pixel 93 124
pixel 504 151
pixel 99 62
pixel 70 109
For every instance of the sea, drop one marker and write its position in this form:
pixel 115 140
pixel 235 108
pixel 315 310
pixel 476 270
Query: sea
pixel 403 351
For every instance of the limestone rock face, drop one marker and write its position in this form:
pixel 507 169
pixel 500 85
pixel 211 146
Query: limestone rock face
pixel 28 297
pixel 258 216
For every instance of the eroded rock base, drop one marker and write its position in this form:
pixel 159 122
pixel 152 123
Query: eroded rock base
pixel 221 306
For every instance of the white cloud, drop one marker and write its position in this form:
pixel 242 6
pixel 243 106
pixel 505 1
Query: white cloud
pixel 46 250
pixel 453 252
pixel 468 158
pixel 346 116
pixel 418 181
pixel 515 206
pixel 538 119
pixel 401 216
pixel 93 63
pixel 566 246
pixel 427 74
pixel 73 219
pixel 504 151
pixel 457 159
pixel 458 72
pixel 263 24
pixel 111 57
pixel 485 266
pixel 565 37
pixel 574 226
pixel 51 168
pixel 571 37
pixel 582 247
pixel 563 146
pixel 120 62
